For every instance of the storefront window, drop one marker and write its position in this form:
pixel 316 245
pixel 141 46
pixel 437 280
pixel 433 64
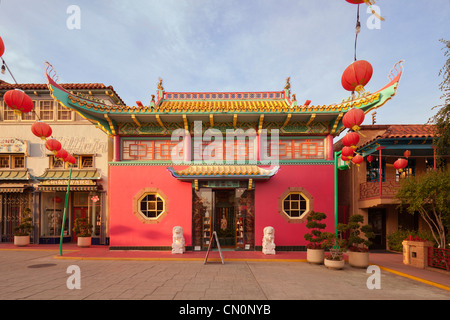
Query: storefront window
pixel 227 211
pixel 52 214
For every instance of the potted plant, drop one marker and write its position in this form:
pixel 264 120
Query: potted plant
pixel 83 230
pixel 335 259
pixel 358 246
pixel 315 248
pixel 23 230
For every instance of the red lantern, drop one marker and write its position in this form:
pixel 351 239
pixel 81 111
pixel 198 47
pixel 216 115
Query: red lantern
pixel 53 145
pixel 351 139
pixel 71 159
pixel 353 118
pixel 347 152
pixel 2 47
pixel 370 158
pixel 357 159
pixel 407 153
pixel 355 1
pixel 400 164
pixel 357 75
pixel 41 129
pixel 62 154
pixel 344 158
pixel 18 100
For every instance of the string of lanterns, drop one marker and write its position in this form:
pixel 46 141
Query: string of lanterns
pixel 354 78
pixel 20 103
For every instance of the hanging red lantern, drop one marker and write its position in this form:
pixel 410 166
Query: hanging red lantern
pixel 2 47
pixel 353 119
pixel 357 75
pixel 400 164
pixel 70 159
pixel 18 100
pixel 347 152
pixel 53 145
pixel 41 129
pixel 344 158
pixel 370 158
pixel 62 154
pixel 357 159
pixel 355 1
pixel 406 154
pixel 351 139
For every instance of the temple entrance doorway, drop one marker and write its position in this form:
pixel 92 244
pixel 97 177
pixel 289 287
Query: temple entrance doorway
pixel 228 211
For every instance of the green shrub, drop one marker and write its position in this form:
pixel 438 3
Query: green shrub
pixel 396 238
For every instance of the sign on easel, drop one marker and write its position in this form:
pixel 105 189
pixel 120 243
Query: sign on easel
pixel 214 234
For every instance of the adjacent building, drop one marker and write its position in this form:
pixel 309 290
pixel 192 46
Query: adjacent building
pixel 369 189
pixel 32 177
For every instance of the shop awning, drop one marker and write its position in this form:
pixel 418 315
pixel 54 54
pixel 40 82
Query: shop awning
pixel 64 188
pixel 57 180
pixel 14 174
pixel 12 187
pixel 196 172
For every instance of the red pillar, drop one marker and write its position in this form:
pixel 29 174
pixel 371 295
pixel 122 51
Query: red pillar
pixel 116 148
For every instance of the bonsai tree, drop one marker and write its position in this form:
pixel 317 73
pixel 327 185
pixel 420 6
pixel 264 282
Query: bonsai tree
pixel 26 225
pixel 355 241
pixel 335 243
pixel 82 227
pixel 316 237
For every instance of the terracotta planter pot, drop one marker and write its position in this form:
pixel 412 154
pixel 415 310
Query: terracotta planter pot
pixel 334 264
pixel 84 242
pixel 21 241
pixel 315 256
pixel 358 259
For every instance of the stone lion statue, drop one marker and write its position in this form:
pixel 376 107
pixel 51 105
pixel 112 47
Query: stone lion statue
pixel 178 240
pixel 268 243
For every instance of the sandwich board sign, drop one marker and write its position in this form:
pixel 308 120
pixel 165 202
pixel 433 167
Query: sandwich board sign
pixel 214 235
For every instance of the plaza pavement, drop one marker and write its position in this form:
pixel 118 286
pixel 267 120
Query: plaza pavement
pixel 39 272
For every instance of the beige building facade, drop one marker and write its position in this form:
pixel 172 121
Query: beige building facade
pixel 32 177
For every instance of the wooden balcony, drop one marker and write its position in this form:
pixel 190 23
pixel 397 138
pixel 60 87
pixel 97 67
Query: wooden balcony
pixel 370 194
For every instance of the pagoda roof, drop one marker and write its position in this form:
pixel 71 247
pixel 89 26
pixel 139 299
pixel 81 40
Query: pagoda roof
pixel 213 107
pixel 223 172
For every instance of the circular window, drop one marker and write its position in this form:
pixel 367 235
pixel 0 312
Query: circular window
pixel 150 205
pixel 295 204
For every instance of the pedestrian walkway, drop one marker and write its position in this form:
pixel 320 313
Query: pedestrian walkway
pixel 387 261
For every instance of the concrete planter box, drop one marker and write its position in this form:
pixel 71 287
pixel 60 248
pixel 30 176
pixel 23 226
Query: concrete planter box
pixel 84 242
pixel 315 256
pixel 334 264
pixel 358 259
pixel 415 253
pixel 21 241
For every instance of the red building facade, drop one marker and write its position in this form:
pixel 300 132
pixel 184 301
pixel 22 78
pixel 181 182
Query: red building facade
pixel 229 162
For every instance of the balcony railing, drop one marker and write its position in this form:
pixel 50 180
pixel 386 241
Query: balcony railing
pixel 371 190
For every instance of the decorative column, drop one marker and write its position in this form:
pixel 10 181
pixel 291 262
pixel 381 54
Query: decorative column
pixel 329 142
pixel 116 156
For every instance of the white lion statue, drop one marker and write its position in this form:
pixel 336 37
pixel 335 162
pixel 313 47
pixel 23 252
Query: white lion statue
pixel 268 243
pixel 178 240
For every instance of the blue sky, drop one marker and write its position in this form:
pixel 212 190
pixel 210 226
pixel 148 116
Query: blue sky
pixel 228 45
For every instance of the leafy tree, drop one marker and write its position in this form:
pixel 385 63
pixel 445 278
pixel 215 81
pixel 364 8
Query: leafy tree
pixel 441 119
pixel 429 194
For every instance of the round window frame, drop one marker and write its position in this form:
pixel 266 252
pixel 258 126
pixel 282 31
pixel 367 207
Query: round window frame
pixel 309 204
pixel 137 205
